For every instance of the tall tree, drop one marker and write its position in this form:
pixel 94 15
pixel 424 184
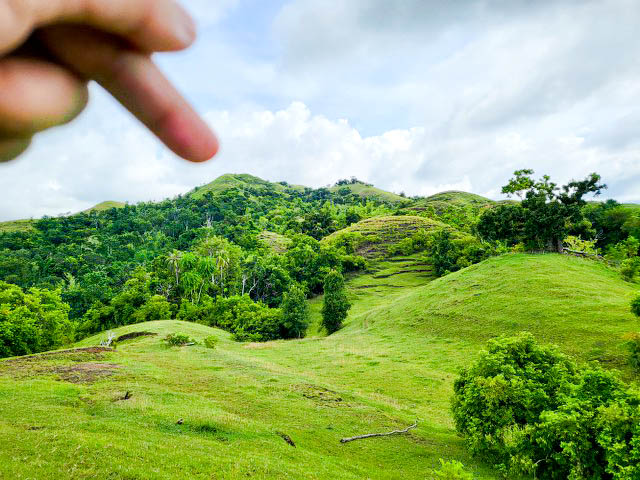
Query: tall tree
pixel 335 305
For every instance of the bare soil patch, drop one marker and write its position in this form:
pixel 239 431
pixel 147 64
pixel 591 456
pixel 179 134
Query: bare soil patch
pixel 86 372
pixel 132 335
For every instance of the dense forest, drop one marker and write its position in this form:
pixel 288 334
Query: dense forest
pixel 242 254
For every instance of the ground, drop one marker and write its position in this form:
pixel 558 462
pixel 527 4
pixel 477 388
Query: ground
pixel 194 412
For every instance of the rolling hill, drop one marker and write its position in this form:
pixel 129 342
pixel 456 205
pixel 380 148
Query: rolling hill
pixel 370 192
pixel 377 235
pixel 225 412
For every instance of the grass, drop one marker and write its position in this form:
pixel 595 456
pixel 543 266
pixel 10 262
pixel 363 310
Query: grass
pixel 240 181
pixel 108 205
pixel 16 226
pixel 380 233
pixel 371 192
pixel 394 361
pixel 278 243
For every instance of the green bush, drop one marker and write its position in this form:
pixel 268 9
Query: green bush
pixel 295 313
pixel 177 340
pixel 629 268
pixel 210 342
pixel 530 410
pixel 335 304
pixel 635 306
pixel 633 346
pixel 452 470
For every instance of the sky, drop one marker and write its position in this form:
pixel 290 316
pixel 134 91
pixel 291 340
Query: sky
pixel 417 96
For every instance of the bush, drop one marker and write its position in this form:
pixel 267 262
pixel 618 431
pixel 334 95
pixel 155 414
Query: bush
pixel 529 409
pixel 177 340
pixel 335 304
pixel 629 268
pixel 452 470
pixel 210 342
pixel 635 306
pixel 295 313
pixel 633 346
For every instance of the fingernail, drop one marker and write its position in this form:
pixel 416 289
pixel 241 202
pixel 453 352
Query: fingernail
pixel 183 25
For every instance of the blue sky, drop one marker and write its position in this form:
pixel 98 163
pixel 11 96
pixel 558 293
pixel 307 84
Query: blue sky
pixel 417 96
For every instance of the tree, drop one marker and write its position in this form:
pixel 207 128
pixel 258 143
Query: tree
pixel 295 313
pixel 335 305
pixel 550 213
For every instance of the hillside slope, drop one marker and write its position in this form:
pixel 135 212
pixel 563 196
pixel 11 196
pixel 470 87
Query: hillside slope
pixel 370 192
pixel 377 235
pixel 580 305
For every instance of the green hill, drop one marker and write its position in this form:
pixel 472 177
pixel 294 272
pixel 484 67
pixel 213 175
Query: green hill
pixel 16 226
pixel 241 181
pixel 370 192
pixel 109 204
pixel 223 413
pixel 446 200
pixel 376 235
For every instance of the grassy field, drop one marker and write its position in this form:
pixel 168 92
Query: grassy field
pixel 405 339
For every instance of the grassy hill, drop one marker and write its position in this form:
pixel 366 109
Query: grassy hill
pixel 378 234
pixel 406 337
pixel 16 226
pixel 241 181
pixel 453 199
pixel 371 192
pixel 278 243
pixel 109 204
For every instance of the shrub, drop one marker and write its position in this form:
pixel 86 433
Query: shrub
pixel 452 470
pixel 529 409
pixel 335 304
pixel 633 346
pixel 629 268
pixel 295 313
pixel 635 306
pixel 210 342
pixel 177 340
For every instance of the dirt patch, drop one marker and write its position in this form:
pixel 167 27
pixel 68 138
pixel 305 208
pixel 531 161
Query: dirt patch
pixel 320 395
pixel 86 372
pixel 129 336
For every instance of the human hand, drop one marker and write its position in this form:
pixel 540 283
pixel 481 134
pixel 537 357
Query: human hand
pixel 50 49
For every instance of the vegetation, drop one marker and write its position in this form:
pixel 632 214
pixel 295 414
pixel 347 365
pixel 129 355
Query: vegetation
pixel 529 409
pixel 335 304
pixel 244 260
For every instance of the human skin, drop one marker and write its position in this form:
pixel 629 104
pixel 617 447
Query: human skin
pixel 51 49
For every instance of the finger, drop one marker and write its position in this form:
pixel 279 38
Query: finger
pixel 11 148
pixel 136 82
pixel 151 25
pixel 36 95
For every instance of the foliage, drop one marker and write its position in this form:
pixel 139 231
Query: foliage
pixel 177 340
pixel 577 244
pixel 32 321
pixel 448 254
pixel 210 341
pixel 452 470
pixel 633 346
pixel 546 215
pixel 335 303
pixel 532 410
pixel 635 306
pixel 295 312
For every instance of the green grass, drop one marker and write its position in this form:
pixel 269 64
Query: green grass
pixel 16 226
pixel 278 243
pixel 394 361
pixel 240 181
pixel 371 192
pixel 107 205
pixel 379 233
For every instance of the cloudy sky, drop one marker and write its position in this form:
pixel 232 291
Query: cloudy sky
pixel 417 96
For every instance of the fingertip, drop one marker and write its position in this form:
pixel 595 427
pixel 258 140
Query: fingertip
pixel 187 135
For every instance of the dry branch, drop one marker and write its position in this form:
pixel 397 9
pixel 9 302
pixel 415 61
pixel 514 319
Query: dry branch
pixel 369 435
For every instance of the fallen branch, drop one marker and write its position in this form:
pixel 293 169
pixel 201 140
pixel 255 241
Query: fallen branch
pixel 369 435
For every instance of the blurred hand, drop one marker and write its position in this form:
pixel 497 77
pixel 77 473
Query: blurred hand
pixel 50 49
